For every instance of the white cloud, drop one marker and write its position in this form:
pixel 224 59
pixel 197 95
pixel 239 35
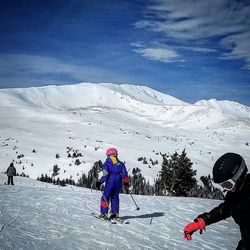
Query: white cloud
pixel 197 49
pixel 215 22
pixel 162 54
pixel 239 47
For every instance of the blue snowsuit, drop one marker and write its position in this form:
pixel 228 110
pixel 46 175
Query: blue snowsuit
pixel 113 175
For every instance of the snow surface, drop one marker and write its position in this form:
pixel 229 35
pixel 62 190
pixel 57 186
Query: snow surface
pixel 36 215
pixel 137 120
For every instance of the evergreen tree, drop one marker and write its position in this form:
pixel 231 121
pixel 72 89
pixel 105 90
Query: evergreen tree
pixel 166 173
pixel 42 178
pixel 55 170
pixel 177 175
pixel 184 175
pixel 82 182
pixel 137 181
pixel 206 190
pixel 90 180
pixel 157 188
pixel 93 175
pixel 62 183
pixel 217 194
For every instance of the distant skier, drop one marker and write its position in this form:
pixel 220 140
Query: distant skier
pixel 11 171
pixel 114 174
pixel 230 171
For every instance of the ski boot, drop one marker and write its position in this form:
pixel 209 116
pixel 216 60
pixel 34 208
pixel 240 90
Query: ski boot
pixel 114 216
pixel 104 216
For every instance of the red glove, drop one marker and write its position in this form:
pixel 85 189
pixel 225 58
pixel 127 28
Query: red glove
pixel 189 229
pixel 126 182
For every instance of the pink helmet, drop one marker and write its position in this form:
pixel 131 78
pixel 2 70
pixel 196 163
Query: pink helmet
pixel 111 151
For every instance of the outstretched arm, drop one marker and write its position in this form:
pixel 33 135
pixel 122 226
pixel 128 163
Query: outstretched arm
pixel 219 213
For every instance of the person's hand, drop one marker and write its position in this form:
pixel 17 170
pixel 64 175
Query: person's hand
pixel 189 229
pixel 98 185
pixel 126 185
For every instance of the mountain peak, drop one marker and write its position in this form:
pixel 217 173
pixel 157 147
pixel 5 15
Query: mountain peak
pixel 230 108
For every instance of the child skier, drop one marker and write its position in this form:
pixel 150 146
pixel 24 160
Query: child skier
pixel 230 171
pixel 114 173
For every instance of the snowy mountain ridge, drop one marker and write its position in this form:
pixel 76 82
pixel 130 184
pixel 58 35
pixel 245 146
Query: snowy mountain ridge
pixel 137 120
pixel 234 109
pixel 87 94
pixel 141 100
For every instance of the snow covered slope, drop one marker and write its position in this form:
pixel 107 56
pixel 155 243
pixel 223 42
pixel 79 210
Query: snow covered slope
pixel 234 109
pixel 86 94
pixel 35 215
pixel 42 122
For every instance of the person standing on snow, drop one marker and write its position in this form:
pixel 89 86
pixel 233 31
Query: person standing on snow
pixel 11 171
pixel 230 171
pixel 114 174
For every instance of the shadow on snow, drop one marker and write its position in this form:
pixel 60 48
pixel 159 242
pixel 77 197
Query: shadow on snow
pixel 143 216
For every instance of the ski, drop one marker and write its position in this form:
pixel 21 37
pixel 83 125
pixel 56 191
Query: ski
pixel 121 221
pixel 112 221
pixel 98 217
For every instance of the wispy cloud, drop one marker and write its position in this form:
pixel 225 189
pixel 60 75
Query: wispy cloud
pixel 157 52
pixel 35 69
pixel 240 47
pixel 213 23
pixel 34 64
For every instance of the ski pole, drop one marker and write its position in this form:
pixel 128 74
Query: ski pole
pixel 137 208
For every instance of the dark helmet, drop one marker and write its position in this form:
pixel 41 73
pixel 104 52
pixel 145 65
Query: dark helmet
pixel 229 166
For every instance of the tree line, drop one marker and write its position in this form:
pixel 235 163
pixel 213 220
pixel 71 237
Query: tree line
pixel 176 178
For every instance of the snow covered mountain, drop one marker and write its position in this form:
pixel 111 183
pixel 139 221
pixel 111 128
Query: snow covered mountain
pixel 37 215
pixel 234 109
pixel 41 122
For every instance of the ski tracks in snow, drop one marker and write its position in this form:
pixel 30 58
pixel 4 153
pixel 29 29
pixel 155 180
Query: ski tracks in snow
pixel 60 218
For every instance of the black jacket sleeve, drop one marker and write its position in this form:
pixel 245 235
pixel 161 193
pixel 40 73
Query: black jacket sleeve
pixel 219 213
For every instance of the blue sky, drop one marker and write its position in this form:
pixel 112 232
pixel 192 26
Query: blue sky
pixel 190 49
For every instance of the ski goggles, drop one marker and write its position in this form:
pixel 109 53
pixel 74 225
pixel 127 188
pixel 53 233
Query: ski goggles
pixel 228 185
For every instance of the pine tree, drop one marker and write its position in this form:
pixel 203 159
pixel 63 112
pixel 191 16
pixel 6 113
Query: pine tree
pixel 184 175
pixel 206 190
pixel 82 182
pixel 93 175
pixel 55 170
pixel 42 178
pixel 62 183
pixel 137 181
pixel 177 175
pixel 166 173
pixel 90 180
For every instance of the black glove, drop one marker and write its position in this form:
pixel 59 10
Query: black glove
pixel 126 185
pixel 98 184
pixel 99 165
